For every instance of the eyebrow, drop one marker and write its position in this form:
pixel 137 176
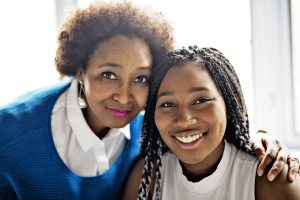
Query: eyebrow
pixel 110 65
pixel 147 67
pixel 192 90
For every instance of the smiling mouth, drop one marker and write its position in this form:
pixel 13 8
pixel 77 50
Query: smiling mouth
pixel 190 138
pixel 118 112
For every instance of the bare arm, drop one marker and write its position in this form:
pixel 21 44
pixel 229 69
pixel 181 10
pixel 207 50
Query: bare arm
pixel 133 182
pixel 279 189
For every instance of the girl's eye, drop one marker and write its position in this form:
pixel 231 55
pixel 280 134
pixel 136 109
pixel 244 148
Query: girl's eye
pixel 202 100
pixel 109 75
pixel 141 79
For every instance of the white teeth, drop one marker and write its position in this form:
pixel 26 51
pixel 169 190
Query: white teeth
pixel 189 139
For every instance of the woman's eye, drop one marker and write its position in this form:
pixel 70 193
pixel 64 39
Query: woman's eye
pixel 202 100
pixel 168 105
pixel 109 75
pixel 141 79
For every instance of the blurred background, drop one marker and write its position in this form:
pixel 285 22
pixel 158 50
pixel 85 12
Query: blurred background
pixel 261 38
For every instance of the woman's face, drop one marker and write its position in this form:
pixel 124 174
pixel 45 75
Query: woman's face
pixel 191 116
pixel 116 82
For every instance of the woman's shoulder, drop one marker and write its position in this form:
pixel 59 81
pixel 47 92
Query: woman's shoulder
pixel 35 95
pixel 29 111
pixel 278 189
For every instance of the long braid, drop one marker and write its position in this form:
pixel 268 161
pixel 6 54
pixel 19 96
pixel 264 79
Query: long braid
pixel 146 179
pixel 226 80
pixel 158 170
pixel 222 72
pixel 152 145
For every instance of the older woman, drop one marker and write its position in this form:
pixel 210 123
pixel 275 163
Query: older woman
pixel 78 139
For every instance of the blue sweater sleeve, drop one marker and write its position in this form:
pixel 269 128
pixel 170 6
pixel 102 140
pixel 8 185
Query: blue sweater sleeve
pixel 6 189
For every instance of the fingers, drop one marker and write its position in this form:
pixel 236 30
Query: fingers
pixel 260 142
pixel 272 153
pixel 279 163
pixel 273 147
pixel 293 168
pixel 259 149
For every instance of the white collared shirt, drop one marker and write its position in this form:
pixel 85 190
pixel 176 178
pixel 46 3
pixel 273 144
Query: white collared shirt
pixel 77 145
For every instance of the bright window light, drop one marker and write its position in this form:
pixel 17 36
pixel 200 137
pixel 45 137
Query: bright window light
pixel 28 43
pixel 295 19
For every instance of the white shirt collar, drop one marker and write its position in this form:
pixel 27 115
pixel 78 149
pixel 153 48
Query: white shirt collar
pixel 85 136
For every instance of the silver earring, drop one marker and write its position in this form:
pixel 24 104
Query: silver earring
pixel 80 98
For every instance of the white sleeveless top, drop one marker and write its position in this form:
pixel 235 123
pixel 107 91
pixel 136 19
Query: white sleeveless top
pixel 234 178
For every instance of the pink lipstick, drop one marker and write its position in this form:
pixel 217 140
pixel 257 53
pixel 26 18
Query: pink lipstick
pixel 118 112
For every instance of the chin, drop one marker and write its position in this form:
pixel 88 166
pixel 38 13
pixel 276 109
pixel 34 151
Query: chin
pixel 191 161
pixel 119 124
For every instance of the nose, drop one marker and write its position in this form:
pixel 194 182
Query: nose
pixel 184 118
pixel 123 94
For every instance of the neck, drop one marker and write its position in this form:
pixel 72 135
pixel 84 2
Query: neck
pixel 196 172
pixel 95 125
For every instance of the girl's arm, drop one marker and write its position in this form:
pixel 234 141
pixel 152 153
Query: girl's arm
pixel 131 188
pixel 132 185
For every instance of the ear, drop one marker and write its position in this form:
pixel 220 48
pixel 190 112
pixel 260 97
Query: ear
pixel 80 74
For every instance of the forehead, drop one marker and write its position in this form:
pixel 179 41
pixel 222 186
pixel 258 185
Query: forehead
pixel 123 48
pixel 121 42
pixel 187 76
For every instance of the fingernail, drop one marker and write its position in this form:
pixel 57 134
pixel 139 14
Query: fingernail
pixel 261 157
pixel 271 177
pixel 260 172
pixel 293 178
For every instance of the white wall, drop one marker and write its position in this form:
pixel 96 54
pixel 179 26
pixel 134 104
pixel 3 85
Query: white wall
pixel 27 46
pixel 295 9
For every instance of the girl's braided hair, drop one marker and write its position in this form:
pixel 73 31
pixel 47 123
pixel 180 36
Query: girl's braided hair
pixel 226 80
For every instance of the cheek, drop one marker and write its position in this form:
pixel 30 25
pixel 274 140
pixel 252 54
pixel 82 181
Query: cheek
pixel 220 120
pixel 215 113
pixel 89 85
pixel 88 89
pixel 96 91
pixel 222 115
pixel 140 97
pixel 161 123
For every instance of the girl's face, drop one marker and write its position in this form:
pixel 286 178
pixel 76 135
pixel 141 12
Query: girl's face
pixel 191 116
pixel 116 82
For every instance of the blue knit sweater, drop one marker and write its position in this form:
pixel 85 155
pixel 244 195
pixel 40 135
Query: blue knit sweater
pixel 30 167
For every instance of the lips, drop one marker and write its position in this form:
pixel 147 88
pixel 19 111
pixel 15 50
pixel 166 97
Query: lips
pixel 189 139
pixel 118 112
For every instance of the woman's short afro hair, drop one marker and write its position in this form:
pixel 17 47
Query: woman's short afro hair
pixel 88 27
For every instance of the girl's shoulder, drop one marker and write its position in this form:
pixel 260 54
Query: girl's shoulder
pixel 278 189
